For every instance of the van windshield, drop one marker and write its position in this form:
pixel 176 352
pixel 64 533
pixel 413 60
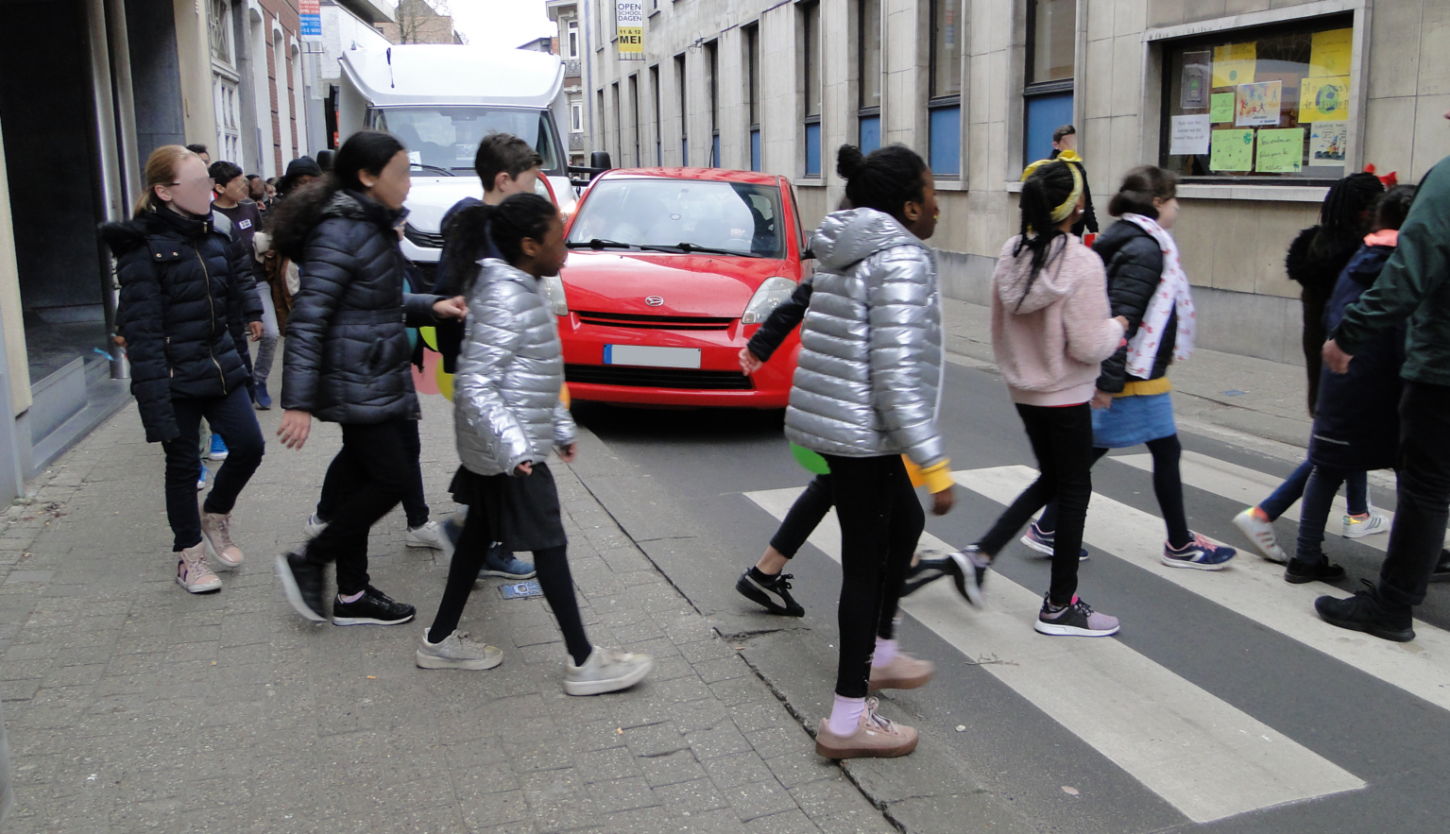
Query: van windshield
pixel 445 139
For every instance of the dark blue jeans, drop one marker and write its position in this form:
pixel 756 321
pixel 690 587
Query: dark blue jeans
pixel 1356 492
pixel 1424 494
pixel 231 417
pixel 1319 495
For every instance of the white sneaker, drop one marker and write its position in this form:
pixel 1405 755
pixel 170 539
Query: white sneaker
pixel 456 651
pixel 217 534
pixel 427 534
pixel 606 670
pixel 1372 524
pixel 1261 533
pixel 314 526
pixel 192 571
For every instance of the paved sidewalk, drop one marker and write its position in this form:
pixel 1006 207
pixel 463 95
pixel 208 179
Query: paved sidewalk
pixel 133 706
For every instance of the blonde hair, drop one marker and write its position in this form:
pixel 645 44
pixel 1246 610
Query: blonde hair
pixel 161 168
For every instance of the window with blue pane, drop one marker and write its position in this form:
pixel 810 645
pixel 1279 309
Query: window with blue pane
pixel 755 150
pixel 1048 92
pixel 944 105
pixel 752 93
pixel 811 74
pixel 868 51
pixel 870 138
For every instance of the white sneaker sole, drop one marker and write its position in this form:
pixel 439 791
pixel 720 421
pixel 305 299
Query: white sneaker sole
pixel 1249 527
pixel 407 542
pixel 351 621
pixel 1072 631
pixel 201 588
pixel 505 575
pixel 1184 563
pixel 293 593
pixel 609 685
pixel 1035 545
pixel 970 588
pixel 428 661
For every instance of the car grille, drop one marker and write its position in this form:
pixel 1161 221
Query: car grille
pixel 655 322
pixel 428 240
pixel 657 378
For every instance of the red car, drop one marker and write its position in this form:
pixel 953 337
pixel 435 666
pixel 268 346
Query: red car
pixel 670 272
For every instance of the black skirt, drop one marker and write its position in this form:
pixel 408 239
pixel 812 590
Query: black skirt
pixel 522 512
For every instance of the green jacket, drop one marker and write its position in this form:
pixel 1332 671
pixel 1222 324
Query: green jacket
pixel 1414 285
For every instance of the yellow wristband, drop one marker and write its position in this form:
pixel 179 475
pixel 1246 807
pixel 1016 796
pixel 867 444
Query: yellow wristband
pixel 938 477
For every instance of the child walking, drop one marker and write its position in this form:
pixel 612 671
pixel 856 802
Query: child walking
pixel 866 390
pixel 1148 288
pixel 187 292
pixel 1051 329
pixel 508 417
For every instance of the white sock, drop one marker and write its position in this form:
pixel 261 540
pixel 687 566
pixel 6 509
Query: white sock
pixel 354 598
pixel 885 652
pixel 846 715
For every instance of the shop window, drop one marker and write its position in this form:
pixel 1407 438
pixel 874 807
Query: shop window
pixel 1255 105
pixel 944 105
pixel 868 105
pixel 1051 54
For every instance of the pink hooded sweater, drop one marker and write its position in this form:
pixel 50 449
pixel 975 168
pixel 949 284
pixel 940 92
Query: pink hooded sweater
pixel 1050 343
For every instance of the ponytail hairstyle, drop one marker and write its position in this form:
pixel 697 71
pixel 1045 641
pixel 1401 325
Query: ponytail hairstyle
pixel 1050 188
pixel 161 168
pixel 290 221
pixel 886 179
pixel 469 231
pixel 1141 186
pixel 1393 207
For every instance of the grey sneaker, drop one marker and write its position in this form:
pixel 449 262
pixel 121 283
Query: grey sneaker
pixel 456 651
pixel 216 532
pixel 606 670
pixel 1076 619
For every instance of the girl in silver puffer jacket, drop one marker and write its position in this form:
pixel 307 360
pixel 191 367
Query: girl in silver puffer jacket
pixel 508 417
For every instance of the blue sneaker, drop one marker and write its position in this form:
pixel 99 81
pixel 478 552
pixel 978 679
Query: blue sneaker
pixel 201 479
pixel 1043 542
pixel 218 448
pixel 501 563
pixel 260 398
pixel 1199 554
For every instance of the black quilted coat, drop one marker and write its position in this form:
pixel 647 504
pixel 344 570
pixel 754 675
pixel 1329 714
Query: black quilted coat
pixel 1314 261
pixel 187 291
pixel 1135 267
pixel 347 349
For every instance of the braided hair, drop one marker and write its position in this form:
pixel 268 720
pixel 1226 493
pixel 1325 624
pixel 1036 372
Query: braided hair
pixel 1343 213
pixel 507 224
pixel 1047 188
pixel 886 179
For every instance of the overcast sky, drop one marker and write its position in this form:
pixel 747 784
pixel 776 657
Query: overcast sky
pixel 502 23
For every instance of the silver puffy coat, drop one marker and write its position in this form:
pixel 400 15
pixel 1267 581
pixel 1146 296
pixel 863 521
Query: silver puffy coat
pixel 510 372
pixel 869 378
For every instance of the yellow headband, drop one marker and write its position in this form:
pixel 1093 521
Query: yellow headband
pixel 1060 213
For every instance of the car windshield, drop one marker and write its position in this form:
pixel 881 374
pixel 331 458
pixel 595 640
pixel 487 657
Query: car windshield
pixel 445 139
pixel 654 212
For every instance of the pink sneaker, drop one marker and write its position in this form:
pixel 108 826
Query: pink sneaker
pixel 216 533
pixel 903 672
pixel 192 571
pixel 875 737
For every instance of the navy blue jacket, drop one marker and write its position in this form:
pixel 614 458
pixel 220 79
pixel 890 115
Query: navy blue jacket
pixel 1357 422
pixel 187 293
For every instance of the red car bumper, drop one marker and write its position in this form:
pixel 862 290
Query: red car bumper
pixel 718 382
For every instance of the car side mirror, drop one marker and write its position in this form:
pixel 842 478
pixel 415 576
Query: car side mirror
pixel 600 160
pixel 808 255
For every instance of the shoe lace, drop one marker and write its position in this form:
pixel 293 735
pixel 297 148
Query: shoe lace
pixel 873 718
pixel 224 529
pixel 782 582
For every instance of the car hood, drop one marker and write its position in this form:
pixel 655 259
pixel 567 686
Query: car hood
pixel 691 285
pixel 431 197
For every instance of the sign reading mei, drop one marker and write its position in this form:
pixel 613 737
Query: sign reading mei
pixel 629 19
pixel 310 13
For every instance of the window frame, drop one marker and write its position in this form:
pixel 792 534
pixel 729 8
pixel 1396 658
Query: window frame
pixel 866 112
pixel 936 103
pixel 681 82
pixel 576 116
pixel 571 39
pixel 811 123
pixel 654 82
pixel 751 37
pixel 712 70
pixel 1043 89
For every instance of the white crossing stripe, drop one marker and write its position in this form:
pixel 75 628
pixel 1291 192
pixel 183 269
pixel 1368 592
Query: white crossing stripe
pixel 1251 587
pixel 1248 487
pixel 1199 753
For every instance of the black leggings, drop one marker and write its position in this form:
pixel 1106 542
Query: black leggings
pixel 804 517
pixel 881 521
pixel 1167 485
pixel 1062 440
pixel 554 578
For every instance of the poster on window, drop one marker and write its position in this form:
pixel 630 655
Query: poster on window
pixel 1197 73
pixel 1233 150
pixel 629 21
pixel 1189 136
pixel 1327 142
pixel 1330 53
pixel 1258 104
pixel 1280 151
pixel 1324 99
pixel 1234 64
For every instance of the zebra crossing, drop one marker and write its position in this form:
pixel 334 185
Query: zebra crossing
pixel 1144 717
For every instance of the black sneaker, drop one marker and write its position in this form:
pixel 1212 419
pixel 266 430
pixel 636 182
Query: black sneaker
pixel 1299 572
pixel 372 608
pixel 928 569
pixel 773 592
pixel 1441 573
pixel 1366 612
pixel 971 573
pixel 302 583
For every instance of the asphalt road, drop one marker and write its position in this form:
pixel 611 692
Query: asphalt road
pixel 681 484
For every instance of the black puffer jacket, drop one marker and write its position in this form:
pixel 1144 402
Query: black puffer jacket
pixel 347 349
pixel 1135 266
pixel 187 292
pixel 1314 261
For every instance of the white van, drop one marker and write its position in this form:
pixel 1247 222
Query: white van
pixel 439 100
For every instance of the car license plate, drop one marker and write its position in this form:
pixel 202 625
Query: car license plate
pixel 652 357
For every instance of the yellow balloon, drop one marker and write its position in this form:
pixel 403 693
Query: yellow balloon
pixel 429 336
pixel 445 382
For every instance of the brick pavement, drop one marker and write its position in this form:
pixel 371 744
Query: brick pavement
pixel 134 706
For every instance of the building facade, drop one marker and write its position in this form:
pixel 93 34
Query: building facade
pixel 1258 104
pixel 571 112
